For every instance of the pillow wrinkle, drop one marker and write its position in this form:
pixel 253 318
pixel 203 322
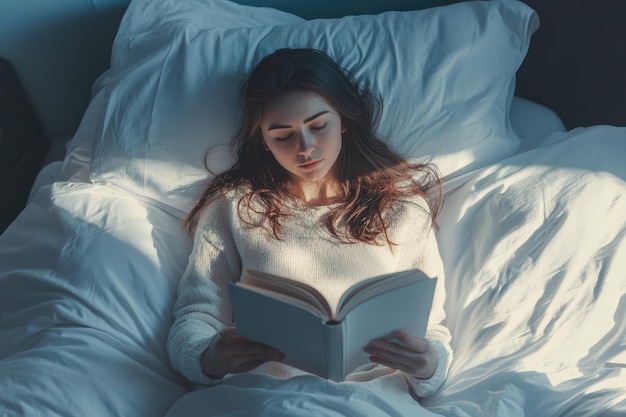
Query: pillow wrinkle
pixel 445 75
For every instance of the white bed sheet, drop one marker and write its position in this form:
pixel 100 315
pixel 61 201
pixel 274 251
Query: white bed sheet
pixel 534 249
pixel 535 254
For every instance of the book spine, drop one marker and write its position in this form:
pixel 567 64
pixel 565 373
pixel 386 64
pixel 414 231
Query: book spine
pixel 334 351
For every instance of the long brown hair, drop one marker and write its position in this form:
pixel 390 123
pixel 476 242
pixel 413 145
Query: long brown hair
pixel 369 175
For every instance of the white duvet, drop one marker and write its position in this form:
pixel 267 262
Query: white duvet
pixel 535 254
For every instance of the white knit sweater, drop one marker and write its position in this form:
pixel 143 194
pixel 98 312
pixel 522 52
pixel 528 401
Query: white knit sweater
pixel 225 247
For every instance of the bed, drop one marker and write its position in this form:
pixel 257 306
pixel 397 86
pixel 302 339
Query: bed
pixel 532 234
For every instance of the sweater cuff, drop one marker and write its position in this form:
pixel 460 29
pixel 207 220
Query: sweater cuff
pixel 425 387
pixel 191 366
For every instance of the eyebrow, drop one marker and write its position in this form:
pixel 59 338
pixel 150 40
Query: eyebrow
pixel 307 120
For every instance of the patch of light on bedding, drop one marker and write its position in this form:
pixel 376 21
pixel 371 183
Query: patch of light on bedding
pixel 615 384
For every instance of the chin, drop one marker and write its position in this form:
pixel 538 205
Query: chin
pixel 315 177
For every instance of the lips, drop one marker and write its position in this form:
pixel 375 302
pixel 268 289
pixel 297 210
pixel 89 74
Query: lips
pixel 311 164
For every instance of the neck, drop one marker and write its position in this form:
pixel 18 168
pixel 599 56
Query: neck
pixel 315 193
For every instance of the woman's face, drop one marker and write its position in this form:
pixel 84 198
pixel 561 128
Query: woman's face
pixel 303 133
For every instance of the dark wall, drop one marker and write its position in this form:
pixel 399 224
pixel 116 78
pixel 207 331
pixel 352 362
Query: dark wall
pixel 576 64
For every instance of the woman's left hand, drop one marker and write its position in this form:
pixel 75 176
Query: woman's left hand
pixel 412 355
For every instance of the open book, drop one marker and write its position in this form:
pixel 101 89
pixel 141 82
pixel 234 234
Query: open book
pixel 328 340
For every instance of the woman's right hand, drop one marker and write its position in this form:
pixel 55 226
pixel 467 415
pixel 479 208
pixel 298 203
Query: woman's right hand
pixel 230 353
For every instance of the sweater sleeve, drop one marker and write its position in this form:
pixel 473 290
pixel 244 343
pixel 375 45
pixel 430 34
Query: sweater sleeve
pixel 202 307
pixel 419 249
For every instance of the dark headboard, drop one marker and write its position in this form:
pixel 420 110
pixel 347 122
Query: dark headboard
pixel 576 64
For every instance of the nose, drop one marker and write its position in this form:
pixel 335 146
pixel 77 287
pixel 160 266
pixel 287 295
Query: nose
pixel 307 143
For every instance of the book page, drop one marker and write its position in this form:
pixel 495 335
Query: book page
pixel 284 298
pixel 290 288
pixel 369 288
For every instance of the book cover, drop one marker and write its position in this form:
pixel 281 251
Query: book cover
pixel 328 340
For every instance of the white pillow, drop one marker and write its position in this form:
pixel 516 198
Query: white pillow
pixel 148 15
pixel 446 76
pixel 143 16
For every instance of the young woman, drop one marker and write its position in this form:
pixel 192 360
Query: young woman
pixel 315 196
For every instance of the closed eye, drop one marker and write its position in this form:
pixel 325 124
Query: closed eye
pixel 289 136
pixel 284 138
pixel 319 127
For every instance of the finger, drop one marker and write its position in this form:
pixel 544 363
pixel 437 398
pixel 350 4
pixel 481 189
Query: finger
pixel 252 349
pixel 252 359
pixel 393 360
pixel 394 363
pixel 403 344
pixel 259 352
pixel 238 360
pixel 230 334
pixel 416 344
pixel 400 356
pixel 386 362
pixel 248 366
pixel 417 366
pixel 229 337
pixel 386 347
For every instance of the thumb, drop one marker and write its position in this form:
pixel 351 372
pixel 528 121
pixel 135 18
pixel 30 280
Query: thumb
pixel 228 332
